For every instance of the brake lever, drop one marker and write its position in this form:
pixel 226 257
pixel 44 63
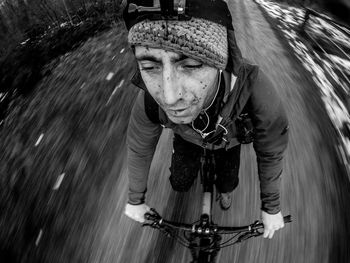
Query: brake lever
pixel 153 225
pixel 155 213
pixel 156 220
pixel 154 217
pixel 252 233
pixel 165 230
pixel 256 231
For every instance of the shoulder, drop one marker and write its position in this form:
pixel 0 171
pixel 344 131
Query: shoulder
pixel 263 80
pixel 264 91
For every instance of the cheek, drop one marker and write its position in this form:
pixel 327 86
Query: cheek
pixel 203 91
pixel 204 83
pixel 155 92
pixel 152 85
pixel 155 89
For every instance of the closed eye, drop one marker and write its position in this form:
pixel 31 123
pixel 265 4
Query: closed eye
pixel 190 63
pixel 194 66
pixel 147 66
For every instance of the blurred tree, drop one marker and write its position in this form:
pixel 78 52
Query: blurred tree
pixel 67 11
pixel 22 19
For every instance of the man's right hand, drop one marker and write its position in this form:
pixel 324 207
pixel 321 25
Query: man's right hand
pixel 137 212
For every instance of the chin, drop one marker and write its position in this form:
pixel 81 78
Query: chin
pixel 181 120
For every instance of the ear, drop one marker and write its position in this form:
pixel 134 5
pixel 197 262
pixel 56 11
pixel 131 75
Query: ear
pixel 235 56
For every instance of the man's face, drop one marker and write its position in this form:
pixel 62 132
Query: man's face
pixel 181 85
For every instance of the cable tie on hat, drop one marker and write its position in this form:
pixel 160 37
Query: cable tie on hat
pixel 181 7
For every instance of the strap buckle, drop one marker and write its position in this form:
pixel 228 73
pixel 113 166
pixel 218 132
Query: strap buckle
pixel 159 13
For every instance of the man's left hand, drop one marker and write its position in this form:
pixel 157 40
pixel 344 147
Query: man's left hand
pixel 271 223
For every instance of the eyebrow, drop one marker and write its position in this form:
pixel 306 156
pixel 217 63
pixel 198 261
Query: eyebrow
pixel 148 57
pixel 158 60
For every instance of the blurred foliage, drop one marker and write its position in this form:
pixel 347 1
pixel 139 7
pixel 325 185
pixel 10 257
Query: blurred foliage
pixel 83 126
pixel 23 19
pixel 35 32
pixel 302 2
pixel 338 9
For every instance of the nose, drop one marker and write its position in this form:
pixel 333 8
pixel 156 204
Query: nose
pixel 172 88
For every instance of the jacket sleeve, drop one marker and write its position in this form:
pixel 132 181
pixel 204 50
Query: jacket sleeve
pixel 271 139
pixel 142 139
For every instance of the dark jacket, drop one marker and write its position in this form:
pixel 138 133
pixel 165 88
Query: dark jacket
pixel 253 89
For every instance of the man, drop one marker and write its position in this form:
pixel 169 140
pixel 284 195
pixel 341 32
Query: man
pixel 190 68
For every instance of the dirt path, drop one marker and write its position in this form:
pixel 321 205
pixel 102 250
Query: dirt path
pixel 83 115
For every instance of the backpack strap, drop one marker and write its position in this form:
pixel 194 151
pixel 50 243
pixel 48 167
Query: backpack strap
pixel 221 130
pixel 151 108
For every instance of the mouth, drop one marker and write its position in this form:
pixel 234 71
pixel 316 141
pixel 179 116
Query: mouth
pixel 180 112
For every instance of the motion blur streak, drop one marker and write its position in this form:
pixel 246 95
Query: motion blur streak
pixel 330 68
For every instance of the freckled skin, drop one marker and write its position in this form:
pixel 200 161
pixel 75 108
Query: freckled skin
pixel 177 83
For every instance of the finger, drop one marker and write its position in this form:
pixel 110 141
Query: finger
pixel 278 227
pixel 140 220
pixel 266 233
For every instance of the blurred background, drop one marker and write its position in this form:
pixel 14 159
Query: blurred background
pixel 65 101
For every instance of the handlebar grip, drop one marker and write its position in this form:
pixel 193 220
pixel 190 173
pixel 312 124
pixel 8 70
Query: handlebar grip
pixel 287 219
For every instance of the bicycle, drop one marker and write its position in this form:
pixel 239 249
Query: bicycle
pixel 203 237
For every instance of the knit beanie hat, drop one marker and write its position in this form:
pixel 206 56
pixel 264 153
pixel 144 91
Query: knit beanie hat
pixel 197 38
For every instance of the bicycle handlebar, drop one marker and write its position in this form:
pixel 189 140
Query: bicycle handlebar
pixel 157 221
pixel 252 227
